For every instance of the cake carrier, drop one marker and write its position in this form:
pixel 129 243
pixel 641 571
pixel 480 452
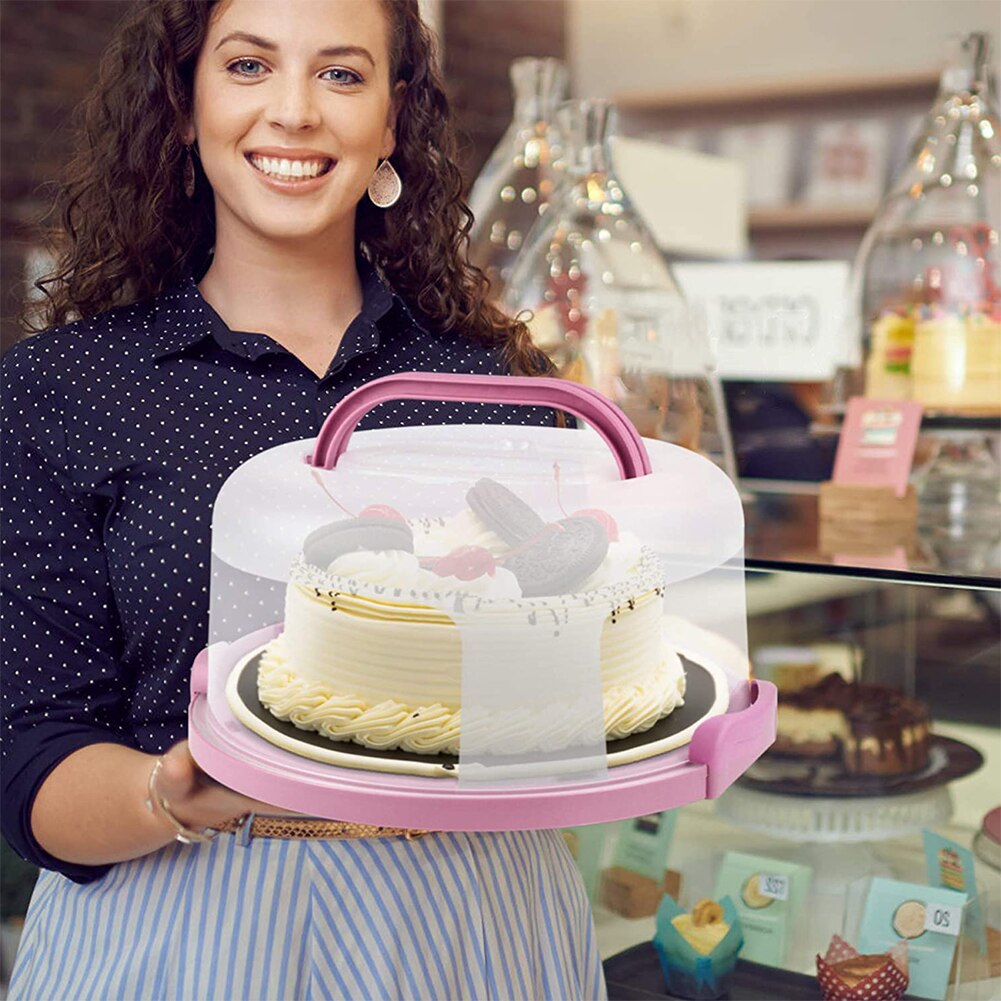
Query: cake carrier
pixel 478 626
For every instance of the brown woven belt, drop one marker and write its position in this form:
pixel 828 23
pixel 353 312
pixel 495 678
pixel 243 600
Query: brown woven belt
pixel 289 828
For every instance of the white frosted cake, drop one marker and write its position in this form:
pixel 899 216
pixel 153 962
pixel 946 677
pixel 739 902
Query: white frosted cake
pixel 944 360
pixel 957 363
pixel 370 652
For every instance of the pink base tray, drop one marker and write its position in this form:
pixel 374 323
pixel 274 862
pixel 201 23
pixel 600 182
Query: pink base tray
pixel 719 752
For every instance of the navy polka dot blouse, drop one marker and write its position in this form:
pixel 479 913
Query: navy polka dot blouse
pixel 119 431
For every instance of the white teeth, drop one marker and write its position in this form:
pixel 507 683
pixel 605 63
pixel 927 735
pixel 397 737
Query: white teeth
pixel 288 169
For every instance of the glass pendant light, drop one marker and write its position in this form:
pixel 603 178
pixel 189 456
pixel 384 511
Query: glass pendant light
pixel 605 305
pixel 516 184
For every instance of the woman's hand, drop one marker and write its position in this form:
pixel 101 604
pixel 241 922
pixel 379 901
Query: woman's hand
pixel 197 800
pixel 91 808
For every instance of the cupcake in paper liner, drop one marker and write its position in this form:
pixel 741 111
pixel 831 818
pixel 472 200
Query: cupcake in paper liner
pixel 698 950
pixel 847 975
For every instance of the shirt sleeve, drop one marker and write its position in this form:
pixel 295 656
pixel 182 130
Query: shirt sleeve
pixel 62 684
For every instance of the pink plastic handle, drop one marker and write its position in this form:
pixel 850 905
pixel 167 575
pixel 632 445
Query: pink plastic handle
pixel 727 745
pixel 588 404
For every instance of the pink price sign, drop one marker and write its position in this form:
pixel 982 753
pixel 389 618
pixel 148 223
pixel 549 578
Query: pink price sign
pixel 877 443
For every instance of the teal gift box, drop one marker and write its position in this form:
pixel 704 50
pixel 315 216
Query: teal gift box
pixel 689 974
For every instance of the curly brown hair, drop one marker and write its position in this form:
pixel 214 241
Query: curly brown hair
pixel 127 231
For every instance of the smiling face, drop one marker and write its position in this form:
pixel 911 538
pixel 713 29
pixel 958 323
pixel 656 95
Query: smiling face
pixel 285 90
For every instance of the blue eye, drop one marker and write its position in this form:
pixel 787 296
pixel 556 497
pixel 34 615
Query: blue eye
pixel 243 62
pixel 346 76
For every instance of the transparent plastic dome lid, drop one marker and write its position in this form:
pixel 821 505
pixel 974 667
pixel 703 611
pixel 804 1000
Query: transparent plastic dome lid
pixel 556 596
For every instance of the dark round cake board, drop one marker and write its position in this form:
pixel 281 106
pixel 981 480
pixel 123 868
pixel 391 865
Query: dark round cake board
pixel 948 759
pixel 700 694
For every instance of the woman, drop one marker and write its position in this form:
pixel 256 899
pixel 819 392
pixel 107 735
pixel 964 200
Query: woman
pixel 211 303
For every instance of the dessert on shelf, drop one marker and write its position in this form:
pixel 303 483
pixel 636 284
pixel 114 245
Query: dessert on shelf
pixel 856 968
pixel 847 975
pixel 704 927
pixel 871 729
pixel 944 359
pixel 698 949
pixel 957 361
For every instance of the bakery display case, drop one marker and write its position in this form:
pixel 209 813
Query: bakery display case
pixel 884 774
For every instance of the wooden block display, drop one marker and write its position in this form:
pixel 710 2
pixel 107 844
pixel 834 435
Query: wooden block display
pixel 632 895
pixel 867 538
pixel 866 505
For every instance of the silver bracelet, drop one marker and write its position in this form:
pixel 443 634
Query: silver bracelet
pixel 181 833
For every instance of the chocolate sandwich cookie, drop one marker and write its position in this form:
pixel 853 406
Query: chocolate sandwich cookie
pixel 503 512
pixel 560 557
pixel 324 545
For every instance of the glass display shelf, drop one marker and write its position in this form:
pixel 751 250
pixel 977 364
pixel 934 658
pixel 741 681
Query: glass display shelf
pixel 931 636
pixel 783 531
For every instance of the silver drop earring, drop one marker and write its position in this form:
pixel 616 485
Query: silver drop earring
pixel 189 172
pixel 385 187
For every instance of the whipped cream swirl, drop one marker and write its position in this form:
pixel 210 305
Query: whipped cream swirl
pixel 311 705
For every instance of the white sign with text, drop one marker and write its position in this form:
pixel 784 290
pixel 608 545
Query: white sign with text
pixel 773 887
pixel 943 918
pixel 772 321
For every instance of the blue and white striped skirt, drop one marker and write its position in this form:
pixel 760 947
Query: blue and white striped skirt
pixel 446 916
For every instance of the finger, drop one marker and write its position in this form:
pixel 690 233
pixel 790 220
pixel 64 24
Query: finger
pixel 208 808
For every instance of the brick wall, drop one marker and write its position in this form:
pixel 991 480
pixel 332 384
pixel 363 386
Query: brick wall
pixel 481 38
pixel 49 51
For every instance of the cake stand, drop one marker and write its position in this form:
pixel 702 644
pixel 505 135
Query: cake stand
pixel 851 810
pixel 719 750
pixel 835 820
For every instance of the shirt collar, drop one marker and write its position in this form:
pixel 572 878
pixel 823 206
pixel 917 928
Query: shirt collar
pixel 183 318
